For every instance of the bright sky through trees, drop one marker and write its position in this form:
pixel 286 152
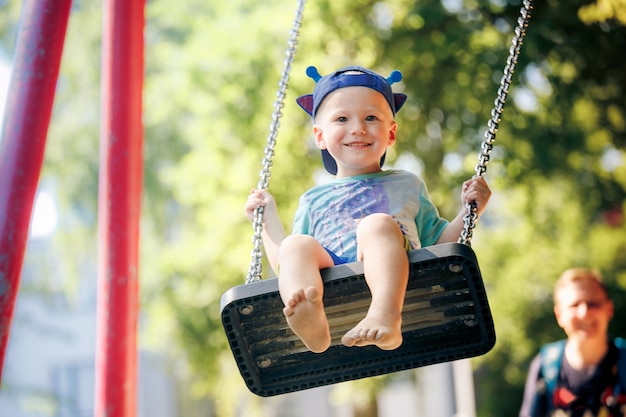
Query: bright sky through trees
pixel 44 219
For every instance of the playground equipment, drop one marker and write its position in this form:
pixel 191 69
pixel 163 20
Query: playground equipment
pixel 30 98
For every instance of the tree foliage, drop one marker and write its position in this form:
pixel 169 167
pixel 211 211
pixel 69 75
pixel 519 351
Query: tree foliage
pixel 558 170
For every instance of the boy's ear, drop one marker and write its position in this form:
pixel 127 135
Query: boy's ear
pixel 319 137
pixel 557 315
pixel 392 134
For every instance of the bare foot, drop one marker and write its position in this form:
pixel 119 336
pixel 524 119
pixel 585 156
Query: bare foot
pixel 306 317
pixel 380 328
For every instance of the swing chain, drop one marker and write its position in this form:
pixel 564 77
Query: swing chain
pixel 469 221
pixel 256 263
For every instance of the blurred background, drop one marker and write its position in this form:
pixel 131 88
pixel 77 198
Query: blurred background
pixel 558 176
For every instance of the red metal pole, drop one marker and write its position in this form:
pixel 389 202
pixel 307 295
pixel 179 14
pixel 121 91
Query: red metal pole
pixel 119 204
pixel 28 108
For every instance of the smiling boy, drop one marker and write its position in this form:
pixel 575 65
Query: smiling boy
pixel 366 214
pixel 583 375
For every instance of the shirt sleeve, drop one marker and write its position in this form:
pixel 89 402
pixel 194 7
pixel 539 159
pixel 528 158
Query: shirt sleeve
pixel 430 225
pixel 301 220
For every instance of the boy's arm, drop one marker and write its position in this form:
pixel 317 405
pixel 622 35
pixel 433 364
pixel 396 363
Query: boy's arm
pixel 453 230
pixel 273 235
pixel 273 230
pixel 475 189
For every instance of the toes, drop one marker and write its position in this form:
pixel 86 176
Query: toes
pixel 369 335
pixel 311 294
pixel 298 296
pixel 348 340
pixel 356 337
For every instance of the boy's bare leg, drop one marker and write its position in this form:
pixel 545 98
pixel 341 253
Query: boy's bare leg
pixel 301 289
pixel 386 266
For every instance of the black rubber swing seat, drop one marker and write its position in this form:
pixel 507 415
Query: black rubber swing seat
pixel 446 317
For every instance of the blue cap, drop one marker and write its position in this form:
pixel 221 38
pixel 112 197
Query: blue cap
pixel 352 76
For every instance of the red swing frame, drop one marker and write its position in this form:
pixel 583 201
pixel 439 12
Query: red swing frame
pixel 27 116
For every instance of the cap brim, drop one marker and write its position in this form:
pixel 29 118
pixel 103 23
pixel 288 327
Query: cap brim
pixel 331 165
pixel 329 162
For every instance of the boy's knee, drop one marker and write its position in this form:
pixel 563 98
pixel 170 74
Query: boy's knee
pixel 378 223
pixel 294 245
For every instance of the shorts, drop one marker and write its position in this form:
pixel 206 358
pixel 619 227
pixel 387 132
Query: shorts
pixel 339 260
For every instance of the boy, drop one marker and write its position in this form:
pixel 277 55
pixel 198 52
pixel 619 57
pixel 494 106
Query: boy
pixel 580 376
pixel 365 214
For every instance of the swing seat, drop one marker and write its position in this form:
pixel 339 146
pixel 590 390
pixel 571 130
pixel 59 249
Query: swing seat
pixel 446 317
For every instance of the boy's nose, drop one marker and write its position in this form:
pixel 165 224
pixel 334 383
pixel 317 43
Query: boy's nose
pixel 357 128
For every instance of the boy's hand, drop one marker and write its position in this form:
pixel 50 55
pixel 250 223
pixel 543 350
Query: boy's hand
pixel 260 198
pixel 477 190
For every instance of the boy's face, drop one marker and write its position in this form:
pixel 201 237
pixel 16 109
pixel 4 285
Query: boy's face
pixel 583 310
pixel 355 125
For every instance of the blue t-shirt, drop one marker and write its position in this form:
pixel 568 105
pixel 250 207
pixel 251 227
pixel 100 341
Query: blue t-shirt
pixel 330 212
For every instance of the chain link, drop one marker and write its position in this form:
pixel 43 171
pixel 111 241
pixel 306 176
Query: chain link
pixel 256 263
pixel 469 221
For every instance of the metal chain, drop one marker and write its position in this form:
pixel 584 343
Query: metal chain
pixel 256 265
pixel 469 221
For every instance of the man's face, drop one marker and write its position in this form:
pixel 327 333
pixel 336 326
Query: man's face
pixel 583 310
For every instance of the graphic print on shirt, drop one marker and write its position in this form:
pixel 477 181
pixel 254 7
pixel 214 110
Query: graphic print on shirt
pixel 330 212
pixel 345 211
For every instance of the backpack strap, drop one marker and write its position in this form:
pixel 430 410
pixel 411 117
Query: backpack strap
pixel 620 343
pixel 550 357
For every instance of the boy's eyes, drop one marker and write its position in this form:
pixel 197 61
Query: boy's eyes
pixel 370 118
